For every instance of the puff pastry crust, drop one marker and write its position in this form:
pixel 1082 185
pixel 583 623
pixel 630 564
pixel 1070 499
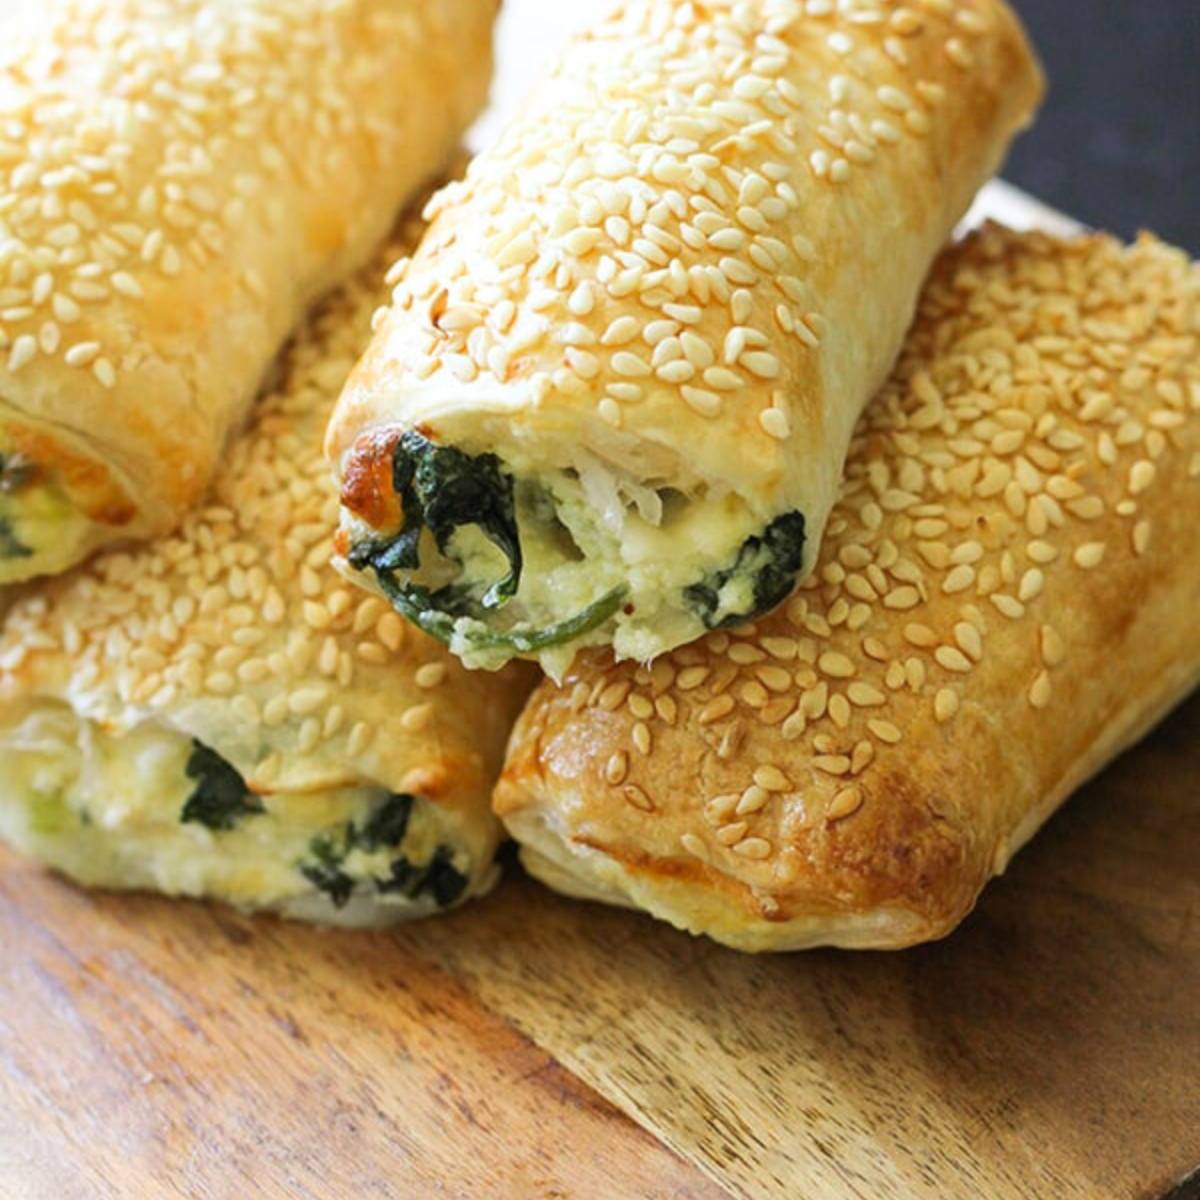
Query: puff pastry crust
pixel 179 182
pixel 219 715
pixel 1007 596
pixel 661 301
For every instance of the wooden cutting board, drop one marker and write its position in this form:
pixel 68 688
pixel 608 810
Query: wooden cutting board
pixel 530 1048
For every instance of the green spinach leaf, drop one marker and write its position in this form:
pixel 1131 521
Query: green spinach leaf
pixel 443 489
pixel 775 557
pixel 384 828
pixel 439 878
pixel 325 872
pixel 221 797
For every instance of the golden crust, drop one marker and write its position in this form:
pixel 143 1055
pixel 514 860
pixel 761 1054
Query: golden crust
pixel 237 632
pixel 177 192
pixel 728 264
pixel 1006 597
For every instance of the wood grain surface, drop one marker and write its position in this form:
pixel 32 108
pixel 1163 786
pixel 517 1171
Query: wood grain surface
pixel 149 1049
pixel 1050 1048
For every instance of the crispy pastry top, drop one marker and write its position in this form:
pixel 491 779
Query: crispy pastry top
pixel 178 181
pixel 1008 592
pixel 712 218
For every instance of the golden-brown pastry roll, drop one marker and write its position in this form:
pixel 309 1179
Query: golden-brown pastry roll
pixel 612 398
pixel 1007 597
pixel 178 182
pixel 219 715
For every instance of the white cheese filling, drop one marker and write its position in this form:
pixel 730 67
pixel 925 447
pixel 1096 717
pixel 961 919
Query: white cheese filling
pixel 42 532
pixel 577 551
pixel 106 810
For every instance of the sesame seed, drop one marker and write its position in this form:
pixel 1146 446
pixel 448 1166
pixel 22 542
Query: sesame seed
pixel 1089 555
pixel 753 847
pixel 845 803
pixel 613 695
pixel 945 704
pixel 863 695
pixel 431 675
pixel 1053 650
pixel 731 834
pixel 1032 584
pixel 836 665
pixel 969 640
pixel 959 579
pixel 952 659
pixel 706 403
pixel 761 364
pixel 1010 606
pixel 832 764
pixel 753 799
pixel 416 717
pixel 771 779
pixel 616 768
pixel 24 350
pixel 885 731
pixel 1141 476
pixel 630 365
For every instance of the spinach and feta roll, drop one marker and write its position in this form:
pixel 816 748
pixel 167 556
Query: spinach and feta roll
pixel 178 182
pixel 612 397
pixel 219 715
pixel 1007 597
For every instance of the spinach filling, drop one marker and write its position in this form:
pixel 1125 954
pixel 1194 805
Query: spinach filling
pixel 774 558
pixel 443 490
pixel 384 829
pixel 221 797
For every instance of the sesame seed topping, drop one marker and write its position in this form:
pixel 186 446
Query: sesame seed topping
pixel 138 143
pixel 242 609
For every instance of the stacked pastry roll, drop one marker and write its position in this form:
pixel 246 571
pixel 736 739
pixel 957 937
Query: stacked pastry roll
pixel 178 182
pixel 218 715
pixel 1007 596
pixel 612 399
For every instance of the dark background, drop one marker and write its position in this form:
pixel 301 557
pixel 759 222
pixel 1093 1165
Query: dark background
pixel 1118 141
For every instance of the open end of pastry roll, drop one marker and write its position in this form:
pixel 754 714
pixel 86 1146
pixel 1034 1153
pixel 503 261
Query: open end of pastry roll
pixel 58 503
pixel 1006 597
pixel 611 399
pixel 155 809
pixel 502 554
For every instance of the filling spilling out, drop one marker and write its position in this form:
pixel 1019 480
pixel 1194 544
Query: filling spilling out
pixel 40 529
pixel 155 810
pixel 500 562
